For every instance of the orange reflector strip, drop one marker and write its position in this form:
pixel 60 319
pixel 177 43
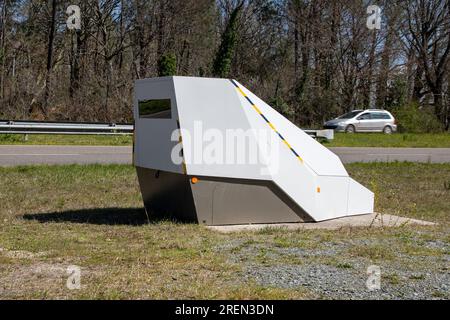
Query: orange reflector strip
pixel 318 189
pixel 194 180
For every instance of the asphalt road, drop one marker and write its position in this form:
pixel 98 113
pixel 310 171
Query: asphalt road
pixel 26 155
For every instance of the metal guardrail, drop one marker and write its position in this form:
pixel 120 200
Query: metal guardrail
pixel 69 128
pixel 80 128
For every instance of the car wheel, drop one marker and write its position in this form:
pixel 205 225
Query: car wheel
pixel 387 130
pixel 350 129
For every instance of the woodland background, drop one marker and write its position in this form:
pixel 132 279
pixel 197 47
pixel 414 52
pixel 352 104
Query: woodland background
pixel 310 59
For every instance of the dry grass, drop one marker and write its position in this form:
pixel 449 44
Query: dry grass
pixel 55 216
pixel 408 189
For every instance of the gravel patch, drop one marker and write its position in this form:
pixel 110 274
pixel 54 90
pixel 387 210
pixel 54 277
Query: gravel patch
pixel 335 283
pixel 329 272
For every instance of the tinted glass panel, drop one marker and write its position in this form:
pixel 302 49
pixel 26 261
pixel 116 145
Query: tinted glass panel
pixel 380 115
pixel 349 115
pixel 155 108
pixel 376 116
pixel 365 116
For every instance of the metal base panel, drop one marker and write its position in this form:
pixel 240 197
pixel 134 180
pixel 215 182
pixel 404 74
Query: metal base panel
pixel 166 195
pixel 216 201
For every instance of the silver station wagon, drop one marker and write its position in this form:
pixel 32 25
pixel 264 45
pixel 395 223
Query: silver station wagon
pixel 372 120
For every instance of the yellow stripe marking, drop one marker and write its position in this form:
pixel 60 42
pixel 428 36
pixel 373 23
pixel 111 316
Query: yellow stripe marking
pixel 257 110
pixel 270 124
pixel 242 92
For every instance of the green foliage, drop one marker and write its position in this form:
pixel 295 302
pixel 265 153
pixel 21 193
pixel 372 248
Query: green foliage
pixel 11 138
pixel 281 106
pixel 167 65
pixel 78 140
pixel 397 93
pixel 223 59
pixel 413 119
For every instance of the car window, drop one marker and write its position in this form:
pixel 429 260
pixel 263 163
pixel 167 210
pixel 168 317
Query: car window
pixel 380 115
pixel 377 116
pixel 349 115
pixel 364 116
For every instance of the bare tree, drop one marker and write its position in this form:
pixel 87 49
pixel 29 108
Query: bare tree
pixel 51 38
pixel 3 17
pixel 310 59
pixel 427 33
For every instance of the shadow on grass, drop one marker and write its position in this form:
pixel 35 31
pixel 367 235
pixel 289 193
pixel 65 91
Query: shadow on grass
pixel 100 216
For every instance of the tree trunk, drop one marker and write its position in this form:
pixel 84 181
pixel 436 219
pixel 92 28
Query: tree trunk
pixel 140 34
pixel 3 50
pixel 122 32
pixel 296 52
pixel 160 33
pixel 371 102
pixel 75 64
pixel 447 104
pixel 384 72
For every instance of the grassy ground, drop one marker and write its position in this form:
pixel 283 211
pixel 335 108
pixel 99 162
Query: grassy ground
pixel 52 217
pixel 80 140
pixel 398 140
pixel 341 140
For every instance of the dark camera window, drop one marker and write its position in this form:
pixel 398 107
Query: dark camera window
pixel 155 108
